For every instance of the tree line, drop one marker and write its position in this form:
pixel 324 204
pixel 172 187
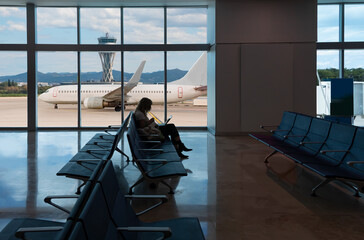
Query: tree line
pixel 11 88
pixel 355 73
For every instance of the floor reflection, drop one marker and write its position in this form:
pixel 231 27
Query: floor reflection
pixel 229 188
pixel 29 163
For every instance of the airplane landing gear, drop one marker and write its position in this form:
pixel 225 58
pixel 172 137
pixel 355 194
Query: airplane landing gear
pixel 117 108
pixel 55 106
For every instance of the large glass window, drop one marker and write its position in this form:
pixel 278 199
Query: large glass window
pixel 13 89
pixel 57 89
pixel 132 35
pixel 143 25
pixel 342 58
pixel 57 25
pixel 97 22
pixel 151 84
pixel 187 84
pixel 13 25
pixel 186 25
pixel 328 23
pixel 100 88
pixel 354 22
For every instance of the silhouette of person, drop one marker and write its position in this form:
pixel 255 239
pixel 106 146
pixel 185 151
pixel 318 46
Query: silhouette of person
pixel 149 126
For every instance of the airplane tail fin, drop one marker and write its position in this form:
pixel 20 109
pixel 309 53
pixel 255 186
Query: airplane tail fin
pixel 197 75
pixel 135 78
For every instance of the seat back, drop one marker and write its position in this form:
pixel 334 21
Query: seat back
pixel 299 130
pixel 285 126
pixel 95 218
pixel 119 208
pixel 119 134
pixel 340 138
pixel 316 136
pixel 356 152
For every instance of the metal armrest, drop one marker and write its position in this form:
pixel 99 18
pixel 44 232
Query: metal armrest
pixel 94 150
pixel 288 136
pixel 164 161
pixel 279 130
pixel 351 163
pixel 325 151
pixel 163 199
pixel 165 230
pixel 151 149
pixel 267 126
pixel 89 161
pixel 20 233
pixel 48 200
pixel 146 141
pixel 303 143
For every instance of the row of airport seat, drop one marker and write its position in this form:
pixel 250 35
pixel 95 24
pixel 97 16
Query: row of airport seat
pixel 333 150
pixel 102 210
pixel 156 160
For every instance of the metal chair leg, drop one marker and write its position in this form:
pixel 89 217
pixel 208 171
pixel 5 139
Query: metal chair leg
pixel 141 179
pixel 323 183
pixel 271 154
pixel 169 186
pixel 356 194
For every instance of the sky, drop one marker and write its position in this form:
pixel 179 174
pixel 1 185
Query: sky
pixel 328 31
pixel 141 26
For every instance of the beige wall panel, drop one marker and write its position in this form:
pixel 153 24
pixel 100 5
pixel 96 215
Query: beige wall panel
pixel 252 21
pixel 266 84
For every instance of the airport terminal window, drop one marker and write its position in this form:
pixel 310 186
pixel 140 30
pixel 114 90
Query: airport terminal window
pixel 143 25
pixel 13 89
pixel 354 22
pixel 97 74
pixel 151 80
pixel 133 31
pixel 97 22
pixel 328 23
pixel 13 25
pixel 186 25
pixel 57 72
pixel 341 58
pixel 57 25
pixel 186 75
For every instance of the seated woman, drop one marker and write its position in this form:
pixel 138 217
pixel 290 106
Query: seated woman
pixel 149 126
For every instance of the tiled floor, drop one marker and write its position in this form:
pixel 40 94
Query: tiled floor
pixel 229 188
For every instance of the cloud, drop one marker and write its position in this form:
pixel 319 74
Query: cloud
pixel 12 11
pixel 101 20
pixel 57 17
pixel 181 35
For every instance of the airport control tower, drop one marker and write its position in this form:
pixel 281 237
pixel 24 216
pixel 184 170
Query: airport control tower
pixel 107 58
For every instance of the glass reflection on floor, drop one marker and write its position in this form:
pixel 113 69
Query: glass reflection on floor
pixel 29 163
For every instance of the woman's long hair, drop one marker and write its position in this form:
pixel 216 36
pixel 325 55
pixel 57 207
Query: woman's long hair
pixel 144 105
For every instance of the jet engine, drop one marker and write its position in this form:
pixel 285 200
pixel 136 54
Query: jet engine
pixel 97 103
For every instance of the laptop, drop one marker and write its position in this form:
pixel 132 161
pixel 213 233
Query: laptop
pixel 158 121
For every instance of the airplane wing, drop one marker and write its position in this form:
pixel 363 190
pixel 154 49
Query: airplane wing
pixel 116 94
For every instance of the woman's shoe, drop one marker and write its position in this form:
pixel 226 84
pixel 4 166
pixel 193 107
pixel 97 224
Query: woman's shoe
pixel 184 148
pixel 182 156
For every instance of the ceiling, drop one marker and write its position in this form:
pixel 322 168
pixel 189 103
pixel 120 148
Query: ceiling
pixel 105 3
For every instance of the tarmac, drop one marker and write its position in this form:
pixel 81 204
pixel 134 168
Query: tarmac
pixel 13 113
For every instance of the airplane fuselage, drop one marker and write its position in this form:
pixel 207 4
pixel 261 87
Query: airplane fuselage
pixel 67 94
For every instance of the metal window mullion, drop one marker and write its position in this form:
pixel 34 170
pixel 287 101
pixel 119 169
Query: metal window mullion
pixel 78 70
pixel 31 68
pixel 122 62
pixel 165 65
pixel 341 40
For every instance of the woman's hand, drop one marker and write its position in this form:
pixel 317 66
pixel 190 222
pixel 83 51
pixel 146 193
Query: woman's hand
pixel 151 121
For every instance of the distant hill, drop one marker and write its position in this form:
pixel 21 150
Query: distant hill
pixel 54 78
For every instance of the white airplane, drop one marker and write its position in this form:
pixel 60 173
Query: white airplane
pixel 97 96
